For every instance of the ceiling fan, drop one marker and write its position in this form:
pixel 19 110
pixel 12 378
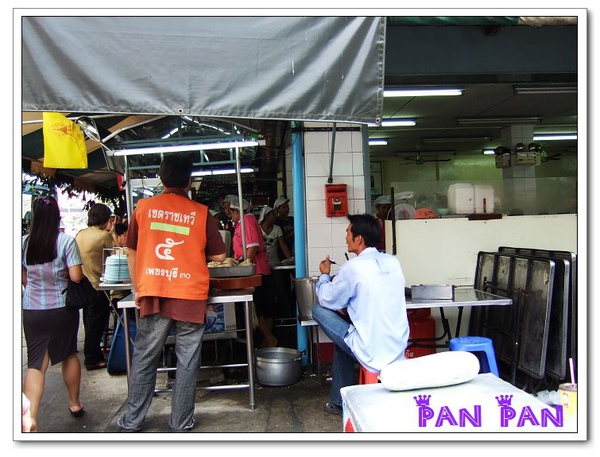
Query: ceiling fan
pixel 546 157
pixel 419 160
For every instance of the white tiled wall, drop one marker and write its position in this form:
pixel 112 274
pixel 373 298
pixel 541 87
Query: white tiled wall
pixel 520 178
pixel 327 235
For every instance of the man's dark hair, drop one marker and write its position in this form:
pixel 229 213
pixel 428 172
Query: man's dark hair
pixel 120 229
pixel 367 226
pixel 98 215
pixel 175 170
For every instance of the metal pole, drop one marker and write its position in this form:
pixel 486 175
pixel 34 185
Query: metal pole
pixel 393 200
pixel 128 195
pixel 241 199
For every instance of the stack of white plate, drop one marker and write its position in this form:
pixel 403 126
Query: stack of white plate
pixel 116 269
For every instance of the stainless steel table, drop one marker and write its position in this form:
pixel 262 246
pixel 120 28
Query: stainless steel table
pixel 283 267
pixel 229 298
pixel 463 296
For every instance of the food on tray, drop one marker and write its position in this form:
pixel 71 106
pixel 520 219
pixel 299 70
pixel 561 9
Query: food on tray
pixel 228 262
pixel 246 263
pixel 235 269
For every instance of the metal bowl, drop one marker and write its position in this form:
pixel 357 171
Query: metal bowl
pixel 278 366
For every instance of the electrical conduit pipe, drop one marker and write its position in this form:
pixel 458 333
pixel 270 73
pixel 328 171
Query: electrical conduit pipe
pixel 298 196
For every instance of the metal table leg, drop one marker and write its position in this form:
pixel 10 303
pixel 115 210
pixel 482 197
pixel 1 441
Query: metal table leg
pixel 445 324
pixel 249 351
pixel 127 349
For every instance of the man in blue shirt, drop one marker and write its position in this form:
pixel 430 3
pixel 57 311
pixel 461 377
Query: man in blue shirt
pixel 362 309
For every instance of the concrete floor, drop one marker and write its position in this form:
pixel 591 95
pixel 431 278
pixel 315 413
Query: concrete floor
pixel 295 409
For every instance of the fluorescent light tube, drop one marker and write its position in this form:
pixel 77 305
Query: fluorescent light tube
pixel 499 120
pixel 202 173
pixel 171 133
pixel 489 151
pixel 222 171
pixel 378 142
pixel 230 171
pixel 536 90
pixel 184 148
pixel 425 153
pixel 555 137
pixel 439 92
pixel 395 123
pixel 467 139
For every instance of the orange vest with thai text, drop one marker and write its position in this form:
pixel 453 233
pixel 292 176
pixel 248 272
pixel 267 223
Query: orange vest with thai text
pixel 170 256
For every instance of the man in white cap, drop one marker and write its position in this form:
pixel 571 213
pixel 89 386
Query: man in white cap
pixel 273 236
pixel 285 221
pixel 274 242
pixel 382 207
pixel 224 215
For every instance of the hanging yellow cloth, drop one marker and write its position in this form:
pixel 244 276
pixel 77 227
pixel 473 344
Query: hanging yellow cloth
pixel 64 143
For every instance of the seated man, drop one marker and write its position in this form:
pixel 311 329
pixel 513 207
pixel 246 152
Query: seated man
pixel 356 310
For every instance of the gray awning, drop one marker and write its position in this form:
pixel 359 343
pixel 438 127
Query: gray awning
pixel 294 68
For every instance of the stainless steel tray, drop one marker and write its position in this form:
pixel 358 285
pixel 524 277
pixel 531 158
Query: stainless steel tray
pixel 431 292
pixel 232 272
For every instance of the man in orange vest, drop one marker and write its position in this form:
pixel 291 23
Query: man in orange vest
pixel 170 240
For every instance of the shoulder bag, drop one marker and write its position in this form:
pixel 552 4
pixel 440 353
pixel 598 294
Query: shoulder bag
pixel 80 294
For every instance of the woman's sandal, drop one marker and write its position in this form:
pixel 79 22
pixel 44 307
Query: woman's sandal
pixel 77 414
pixel 95 366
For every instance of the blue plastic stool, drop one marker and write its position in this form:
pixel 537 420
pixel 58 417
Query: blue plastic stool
pixel 481 346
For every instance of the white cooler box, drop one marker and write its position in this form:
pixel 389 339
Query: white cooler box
pixel 461 198
pixel 465 198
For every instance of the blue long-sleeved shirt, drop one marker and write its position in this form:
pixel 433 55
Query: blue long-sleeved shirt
pixel 371 289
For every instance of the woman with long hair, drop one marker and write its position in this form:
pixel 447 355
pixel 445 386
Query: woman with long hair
pixel 49 258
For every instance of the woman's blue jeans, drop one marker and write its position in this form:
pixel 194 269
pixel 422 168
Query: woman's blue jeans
pixel 152 332
pixel 343 373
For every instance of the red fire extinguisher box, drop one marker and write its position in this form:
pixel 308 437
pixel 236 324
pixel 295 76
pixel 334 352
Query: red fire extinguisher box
pixel 336 200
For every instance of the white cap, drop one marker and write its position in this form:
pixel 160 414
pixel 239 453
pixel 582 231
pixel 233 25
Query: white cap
pixel 234 203
pixel 382 200
pixel 280 201
pixel 263 213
